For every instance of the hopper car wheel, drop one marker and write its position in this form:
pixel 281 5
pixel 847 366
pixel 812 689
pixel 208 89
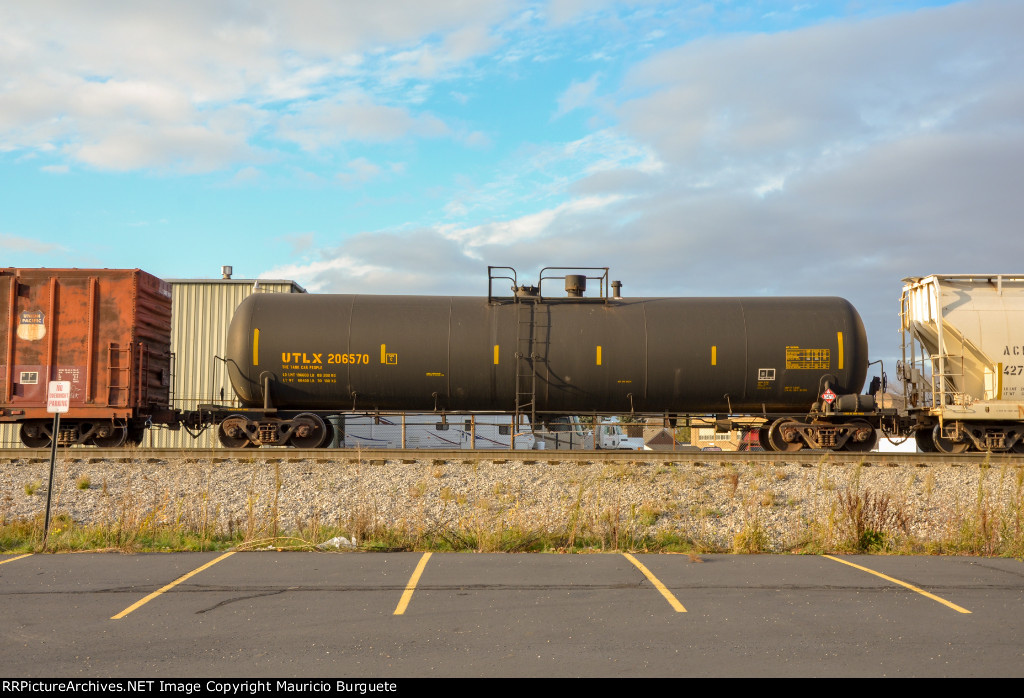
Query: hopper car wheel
pixel 33 435
pixel 232 432
pixel 310 432
pixel 777 436
pixel 865 430
pixel 118 435
pixel 944 445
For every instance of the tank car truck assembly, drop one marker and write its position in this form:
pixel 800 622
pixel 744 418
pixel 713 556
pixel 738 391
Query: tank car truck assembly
pixel 963 361
pixel 105 331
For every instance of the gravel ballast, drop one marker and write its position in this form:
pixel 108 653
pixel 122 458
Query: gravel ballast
pixel 718 506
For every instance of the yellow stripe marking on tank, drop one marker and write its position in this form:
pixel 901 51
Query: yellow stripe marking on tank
pixel 383 353
pixel 256 347
pixel 598 355
pixel 495 354
pixel 999 382
pixel 714 355
pixel 840 358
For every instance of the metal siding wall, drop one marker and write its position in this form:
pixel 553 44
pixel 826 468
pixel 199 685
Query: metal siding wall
pixel 202 313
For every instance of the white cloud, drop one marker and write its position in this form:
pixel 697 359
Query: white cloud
pixel 413 261
pixel 14 243
pixel 833 160
pixel 189 148
pixel 87 79
pixel 576 96
pixel 307 274
pixel 526 228
pixel 355 118
pixel 359 170
pixel 751 109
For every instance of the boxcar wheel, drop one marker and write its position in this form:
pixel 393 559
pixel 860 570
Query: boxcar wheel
pixel 33 435
pixel 116 438
pixel 136 435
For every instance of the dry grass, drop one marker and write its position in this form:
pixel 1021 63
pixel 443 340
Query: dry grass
pixel 685 507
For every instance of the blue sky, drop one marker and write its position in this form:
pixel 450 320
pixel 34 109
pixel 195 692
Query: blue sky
pixel 696 148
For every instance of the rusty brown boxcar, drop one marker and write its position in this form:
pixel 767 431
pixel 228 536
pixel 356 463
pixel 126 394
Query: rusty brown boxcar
pixel 106 331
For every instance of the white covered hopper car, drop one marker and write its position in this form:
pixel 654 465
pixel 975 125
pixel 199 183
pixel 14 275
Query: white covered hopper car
pixel 963 361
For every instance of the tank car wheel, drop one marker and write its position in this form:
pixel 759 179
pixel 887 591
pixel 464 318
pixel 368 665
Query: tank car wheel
pixel 232 432
pixel 867 432
pixel 115 439
pixel 33 435
pixel 310 432
pixel 944 445
pixel 777 436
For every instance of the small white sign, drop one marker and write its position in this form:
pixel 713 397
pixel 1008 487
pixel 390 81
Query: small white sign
pixel 58 396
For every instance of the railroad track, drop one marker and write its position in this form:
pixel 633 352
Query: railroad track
pixel 803 457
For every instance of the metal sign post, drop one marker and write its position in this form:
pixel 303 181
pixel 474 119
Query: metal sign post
pixel 58 400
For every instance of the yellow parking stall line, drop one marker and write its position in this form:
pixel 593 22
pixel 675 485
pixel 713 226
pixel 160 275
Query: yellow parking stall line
pixel 672 600
pixel 173 584
pixel 403 603
pixel 12 559
pixel 920 591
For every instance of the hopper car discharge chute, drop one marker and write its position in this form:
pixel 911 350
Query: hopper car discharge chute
pixel 294 358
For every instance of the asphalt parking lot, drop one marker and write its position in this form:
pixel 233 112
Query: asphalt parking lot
pixel 413 614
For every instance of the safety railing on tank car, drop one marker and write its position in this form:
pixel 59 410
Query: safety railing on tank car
pixel 575 284
pixel 576 290
pixel 491 278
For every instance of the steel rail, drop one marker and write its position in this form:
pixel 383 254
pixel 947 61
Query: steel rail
pixel 277 454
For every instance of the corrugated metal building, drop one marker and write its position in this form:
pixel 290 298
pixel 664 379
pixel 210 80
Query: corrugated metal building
pixel 201 312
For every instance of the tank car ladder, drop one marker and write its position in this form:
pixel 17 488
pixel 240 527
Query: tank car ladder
pixel 527 344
